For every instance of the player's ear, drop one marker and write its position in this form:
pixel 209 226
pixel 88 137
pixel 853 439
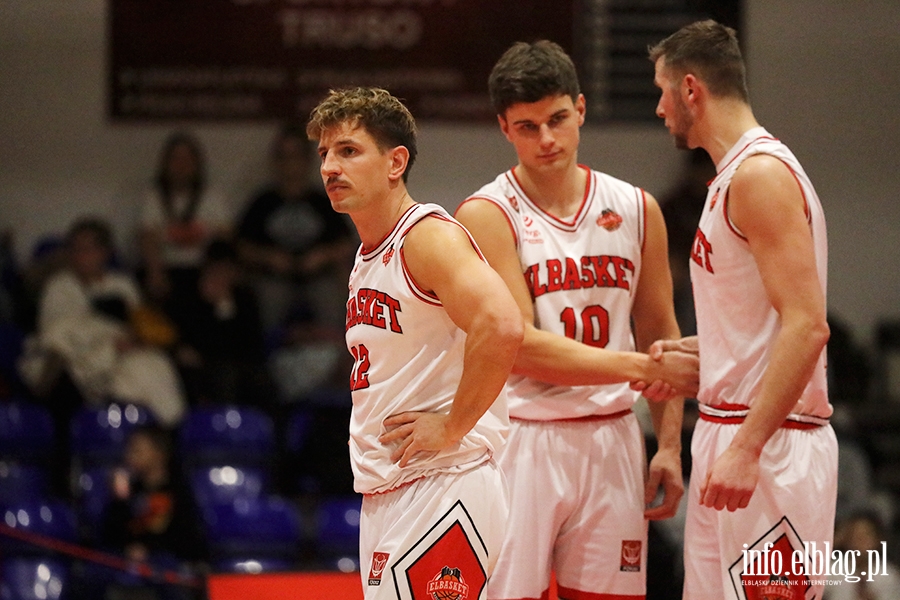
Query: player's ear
pixel 690 88
pixel 580 108
pixel 504 125
pixel 399 157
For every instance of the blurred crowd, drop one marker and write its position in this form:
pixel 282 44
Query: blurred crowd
pixel 207 382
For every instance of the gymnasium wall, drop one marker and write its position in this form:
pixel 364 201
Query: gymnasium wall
pixel 823 76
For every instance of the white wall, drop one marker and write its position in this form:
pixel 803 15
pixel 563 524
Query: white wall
pixel 823 75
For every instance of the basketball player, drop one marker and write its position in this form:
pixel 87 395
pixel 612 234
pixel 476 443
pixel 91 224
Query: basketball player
pixel 763 448
pixel 594 257
pixel 434 332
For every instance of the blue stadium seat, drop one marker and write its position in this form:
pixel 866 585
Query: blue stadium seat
pixel 33 578
pixel 21 481
pixel 337 527
pixel 99 434
pixel 268 527
pixel 26 431
pixel 297 430
pixel 228 435
pixel 225 484
pixel 93 492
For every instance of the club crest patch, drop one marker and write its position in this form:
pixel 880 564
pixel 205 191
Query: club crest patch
pixel 379 562
pixel 609 219
pixel 631 556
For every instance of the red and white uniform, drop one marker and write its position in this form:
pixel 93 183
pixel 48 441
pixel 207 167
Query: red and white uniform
pixel 575 459
pixel 737 326
pixel 409 357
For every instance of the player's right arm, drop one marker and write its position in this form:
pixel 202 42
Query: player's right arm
pixel 554 358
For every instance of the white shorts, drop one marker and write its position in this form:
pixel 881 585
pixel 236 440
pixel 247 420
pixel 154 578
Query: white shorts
pixel 793 504
pixel 437 537
pixel 576 507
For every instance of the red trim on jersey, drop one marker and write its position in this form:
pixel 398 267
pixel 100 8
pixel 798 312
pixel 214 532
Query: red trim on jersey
pixel 553 220
pixel 806 209
pixel 727 218
pixel 572 594
pixel 496 203
pixel 428 296
pixel 643 233
pixel 608 417
pixel 369 254
pixel 747 145
pixel 787 424
pixel 425 296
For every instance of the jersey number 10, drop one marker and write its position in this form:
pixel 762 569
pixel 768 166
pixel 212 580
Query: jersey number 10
pixel 594 325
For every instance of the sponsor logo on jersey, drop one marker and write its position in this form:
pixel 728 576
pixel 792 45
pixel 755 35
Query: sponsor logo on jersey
pixel 631 556
pixel 609 219
pixel 388 255
pixel 379 562
pixel 514 202
pixel 448 585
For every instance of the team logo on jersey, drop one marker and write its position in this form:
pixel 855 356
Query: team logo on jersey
pixel 631 556
pixel 379 562
pixel 448 585
pixel 514 202
pixel 609 220
pixel 388 255
pixel 715 198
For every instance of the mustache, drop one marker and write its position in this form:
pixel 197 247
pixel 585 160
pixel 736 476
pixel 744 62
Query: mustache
pixel 335 180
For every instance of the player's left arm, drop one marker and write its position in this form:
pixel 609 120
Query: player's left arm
pixel 653 316
pixel 766 204
pixel 441 258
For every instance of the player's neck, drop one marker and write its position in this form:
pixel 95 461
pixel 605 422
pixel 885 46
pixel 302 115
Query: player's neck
pixel 724 126
pixel 559 192
pixel 377 221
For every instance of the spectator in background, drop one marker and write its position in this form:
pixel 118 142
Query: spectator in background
pixel 153 515
pixel 862 533
pixel 92 325
pixel 681 207
pixel 297 248
pixel 220 349
pixel 180 215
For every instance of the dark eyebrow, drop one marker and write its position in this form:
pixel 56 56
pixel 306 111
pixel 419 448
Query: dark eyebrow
pixel 558 113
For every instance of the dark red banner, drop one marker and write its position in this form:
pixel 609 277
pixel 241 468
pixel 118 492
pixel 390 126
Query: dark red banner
pixel 275 59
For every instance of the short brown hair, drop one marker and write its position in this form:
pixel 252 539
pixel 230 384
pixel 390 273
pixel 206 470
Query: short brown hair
pixel 709 50
pixel 382 115
pixel 531 72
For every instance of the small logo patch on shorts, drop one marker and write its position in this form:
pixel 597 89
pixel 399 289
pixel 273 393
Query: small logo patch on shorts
pixel 379 562
pixel 631 555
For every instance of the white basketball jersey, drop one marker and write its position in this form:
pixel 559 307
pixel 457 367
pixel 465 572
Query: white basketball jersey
pixel 408 357
pixel 582 272
pixel 736 323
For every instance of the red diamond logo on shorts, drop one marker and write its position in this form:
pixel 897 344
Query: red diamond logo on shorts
pixel 448 570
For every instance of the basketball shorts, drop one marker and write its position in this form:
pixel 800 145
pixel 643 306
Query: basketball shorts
pixel 436 538
pixel 576 508
pixel 748 554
